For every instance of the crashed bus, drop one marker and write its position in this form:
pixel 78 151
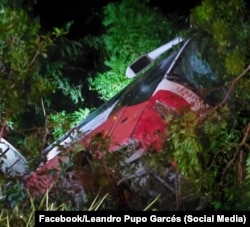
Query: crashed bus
pixel 167 80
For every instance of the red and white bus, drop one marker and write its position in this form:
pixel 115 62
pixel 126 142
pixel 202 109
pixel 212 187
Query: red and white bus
pixel 167 80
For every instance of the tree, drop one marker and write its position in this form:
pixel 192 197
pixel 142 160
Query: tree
pixel 34 68
pixel 127 36
pixel 21 83
pixel 213 152
pixel 29 78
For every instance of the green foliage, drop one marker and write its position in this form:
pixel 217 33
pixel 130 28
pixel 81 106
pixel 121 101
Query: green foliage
pixel 22 47
pixel 23 4
pixel 208 155
pixel 226 22
pixel 59 67
pixel 34 66
pixel 63 121
pixel 226 25
pixel 30 71
pixel 185 144
pixel 13 191
pixel 127 37
pixel 23 214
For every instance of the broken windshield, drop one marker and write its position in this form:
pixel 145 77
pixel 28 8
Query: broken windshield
pixel 193 70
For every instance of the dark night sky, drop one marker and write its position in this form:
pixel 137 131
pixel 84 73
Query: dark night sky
pixel 55 13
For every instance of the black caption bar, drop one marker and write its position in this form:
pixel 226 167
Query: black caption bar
pixel 77 218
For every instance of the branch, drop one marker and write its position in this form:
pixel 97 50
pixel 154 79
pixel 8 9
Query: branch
pixel 239 150
pixel 231 87
pixel 246 135
pixel 233 83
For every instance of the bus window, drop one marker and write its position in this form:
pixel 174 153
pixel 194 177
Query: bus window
pixel 142 89
pixel 195 71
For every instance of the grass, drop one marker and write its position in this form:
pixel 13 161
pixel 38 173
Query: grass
pixel 25 216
